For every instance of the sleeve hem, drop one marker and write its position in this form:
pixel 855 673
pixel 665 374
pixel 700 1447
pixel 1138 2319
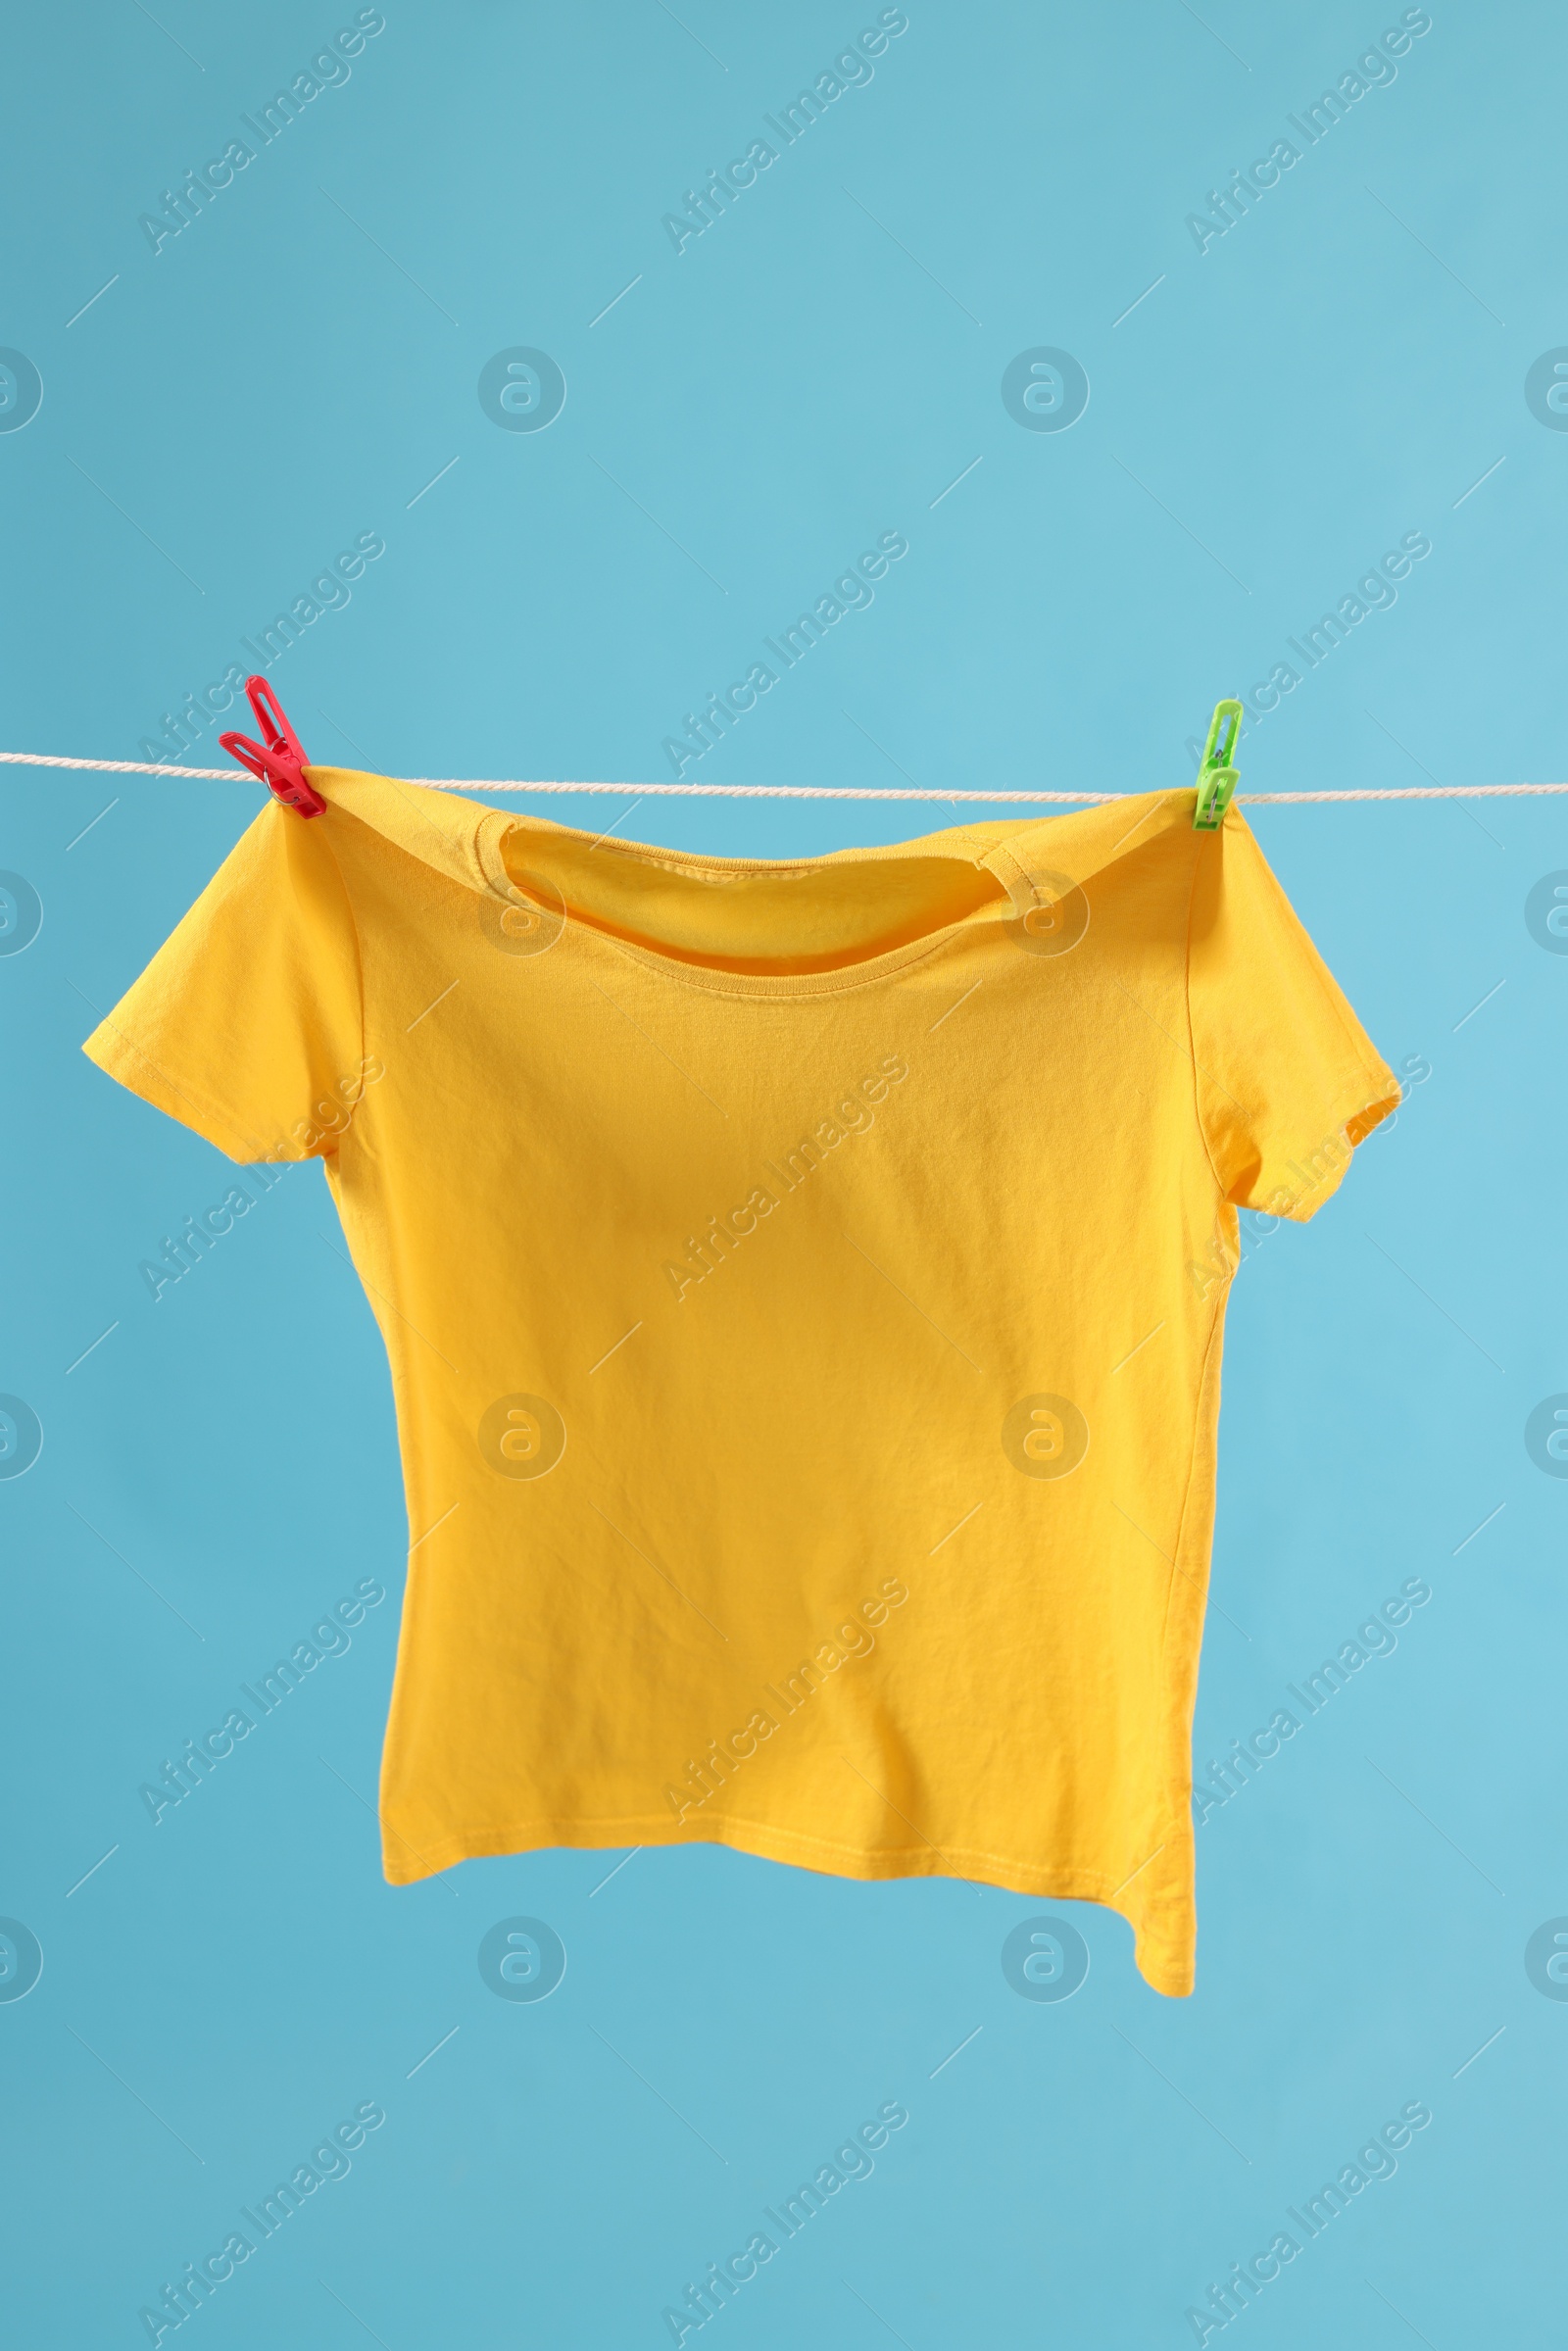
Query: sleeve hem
pixel 120 1057
pixel 1373 1096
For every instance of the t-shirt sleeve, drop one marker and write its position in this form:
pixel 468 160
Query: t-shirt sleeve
pixel 248 1023
pixel 1288 1080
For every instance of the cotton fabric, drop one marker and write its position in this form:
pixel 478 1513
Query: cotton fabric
pixel 803 1286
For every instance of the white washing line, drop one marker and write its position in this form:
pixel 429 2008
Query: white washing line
pixel 462 783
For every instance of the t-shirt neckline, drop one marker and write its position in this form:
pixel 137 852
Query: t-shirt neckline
pixel 972 845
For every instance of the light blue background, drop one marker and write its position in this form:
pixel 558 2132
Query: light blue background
pixel 292 370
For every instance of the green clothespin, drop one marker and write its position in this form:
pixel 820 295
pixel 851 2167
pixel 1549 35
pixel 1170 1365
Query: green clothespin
pixel 1218 780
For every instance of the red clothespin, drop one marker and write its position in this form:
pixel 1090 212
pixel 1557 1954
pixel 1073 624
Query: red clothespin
pixel 279 760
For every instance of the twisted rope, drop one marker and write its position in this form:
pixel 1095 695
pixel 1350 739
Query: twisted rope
pixel 460 783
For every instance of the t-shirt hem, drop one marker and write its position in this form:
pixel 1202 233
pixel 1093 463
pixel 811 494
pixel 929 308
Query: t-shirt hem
pixel 1164 1960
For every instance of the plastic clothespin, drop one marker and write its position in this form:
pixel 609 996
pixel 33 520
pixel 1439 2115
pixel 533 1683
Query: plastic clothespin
pixel 1218 780
pixel 279 760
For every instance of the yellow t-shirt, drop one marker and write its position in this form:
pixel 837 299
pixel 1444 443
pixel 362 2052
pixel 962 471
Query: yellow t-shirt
pixel 803 1286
